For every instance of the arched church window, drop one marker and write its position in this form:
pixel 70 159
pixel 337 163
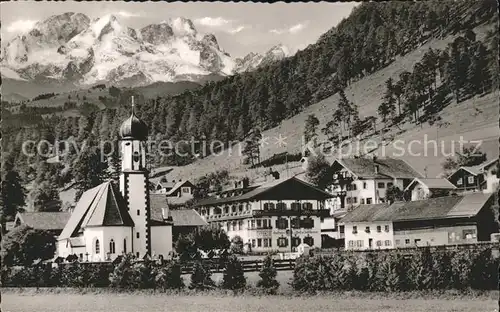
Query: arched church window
pixel 97 247
pixel 112 246
pixel 136 156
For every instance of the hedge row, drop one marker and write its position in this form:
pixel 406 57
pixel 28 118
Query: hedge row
pixel 125 274
pixel 397 271
pixel 122 275
pixel 387 271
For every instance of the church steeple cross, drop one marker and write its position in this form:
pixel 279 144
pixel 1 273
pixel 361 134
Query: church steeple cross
pixel 133 104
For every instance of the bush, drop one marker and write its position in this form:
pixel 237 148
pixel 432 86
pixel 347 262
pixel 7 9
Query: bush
pixel 142 276
pixel 461 263
pixel 421 265
pixel 394 271
pixel 23 245
pixel 75 275
pixel 237 245
pixel 122 275
pixel 234 276
pixel 484 271
pixel 201 277
pixel 268 275
pixel 185 248
pixel 99 274
pixel 316 273
pixel 169 276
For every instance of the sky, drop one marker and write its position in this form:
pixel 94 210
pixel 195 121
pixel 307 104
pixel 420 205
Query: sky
pixel 240 28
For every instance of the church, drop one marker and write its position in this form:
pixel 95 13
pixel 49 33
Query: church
pixel 110 220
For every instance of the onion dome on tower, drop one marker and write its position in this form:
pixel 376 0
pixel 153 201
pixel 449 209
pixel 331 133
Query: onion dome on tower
pixel 133 128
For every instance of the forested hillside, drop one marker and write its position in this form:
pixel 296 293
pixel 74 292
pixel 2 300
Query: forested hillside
pixel 371 38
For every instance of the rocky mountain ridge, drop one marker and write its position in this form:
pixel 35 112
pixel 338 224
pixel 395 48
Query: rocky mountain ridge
pixel 73 48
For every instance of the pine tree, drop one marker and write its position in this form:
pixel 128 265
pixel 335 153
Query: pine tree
pixel 13 193
pixel 169 276
pixel 319 171
pixel 115 160
pixel 201 277
pixel 45 197
pixel 252 147
pixel 89 170
pixel 478 74
pixel 268 275
pixel 387 108
pixel 310 128
pixel 234 276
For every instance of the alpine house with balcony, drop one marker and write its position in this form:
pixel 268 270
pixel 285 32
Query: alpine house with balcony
pixel 447 220
pixel 277 215
pixel 364 181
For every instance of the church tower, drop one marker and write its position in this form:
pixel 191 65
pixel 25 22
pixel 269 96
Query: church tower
pixel 134 181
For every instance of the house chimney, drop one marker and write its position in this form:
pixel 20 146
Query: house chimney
pixel 245 182
pixel 165 213
pixel 376 169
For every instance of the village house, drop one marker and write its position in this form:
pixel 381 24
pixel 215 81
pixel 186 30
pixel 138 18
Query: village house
pixel 431 222
pixel 184 221
pixel 364 181
pixel 52 222
pixel 421 188
pixel 482 177
pixel 178 193
pixel 277 215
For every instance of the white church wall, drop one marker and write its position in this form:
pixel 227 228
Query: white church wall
pixel 63 248
pixel 91 235
pixel 121 235
pixel 161 240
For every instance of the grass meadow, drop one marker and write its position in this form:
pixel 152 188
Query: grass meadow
pixel 28 301
pixel 97 300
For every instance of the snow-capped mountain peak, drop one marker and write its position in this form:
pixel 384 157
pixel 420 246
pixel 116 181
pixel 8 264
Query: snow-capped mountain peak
pixel 72 48
pixel 182 26
pixel 254 60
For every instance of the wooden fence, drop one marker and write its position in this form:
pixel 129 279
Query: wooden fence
pixel 478 245
pixel 217 266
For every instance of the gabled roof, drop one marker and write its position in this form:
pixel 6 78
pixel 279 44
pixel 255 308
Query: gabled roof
pixel 475 170
pixel 263 189
pixel 177 185
pixel 44 220
pixel 478 169
pixel 178 201
pixel 387 168
pixel 102 205
pixel 435 208
pixel 364 213
pixel 489 163
pixel 156 203
pixel 187 217
pixel 77 241
pixel 432 184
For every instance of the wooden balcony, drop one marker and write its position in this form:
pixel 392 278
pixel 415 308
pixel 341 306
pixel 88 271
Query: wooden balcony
pixel 291 213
